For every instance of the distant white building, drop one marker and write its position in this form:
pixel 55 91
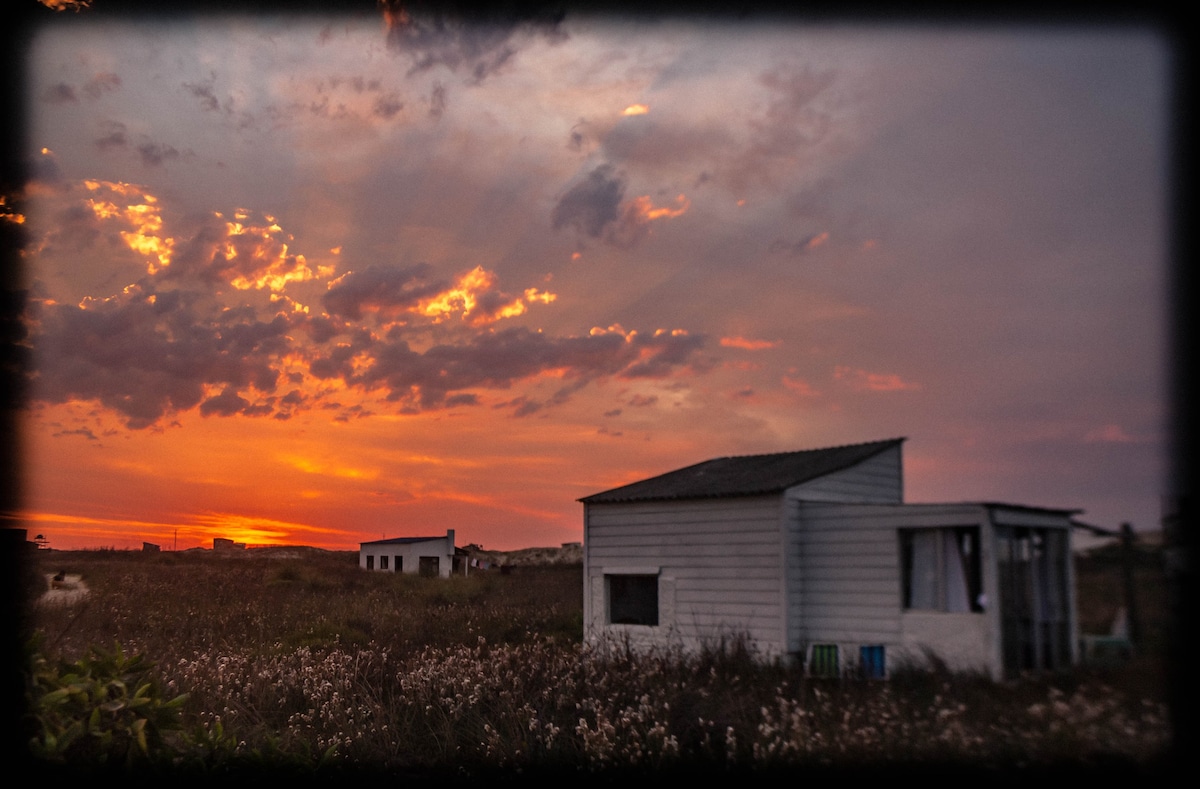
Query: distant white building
pixel 428 556
pixel 813 555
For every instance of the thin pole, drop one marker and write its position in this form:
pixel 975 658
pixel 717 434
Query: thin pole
pixel 1127 571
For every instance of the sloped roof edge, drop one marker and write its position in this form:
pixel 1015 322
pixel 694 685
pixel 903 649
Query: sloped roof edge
pixel 402 540
pixel 744 475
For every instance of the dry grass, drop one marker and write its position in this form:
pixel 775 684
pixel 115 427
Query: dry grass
pixel 289 660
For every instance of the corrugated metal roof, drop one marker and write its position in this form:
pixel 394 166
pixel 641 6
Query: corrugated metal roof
pixel 746 475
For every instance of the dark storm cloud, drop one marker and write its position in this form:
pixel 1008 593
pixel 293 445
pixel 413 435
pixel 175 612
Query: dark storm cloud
pixel 382 289
pixel 83 431
pixel 154 154
pixel 387 106
pixel 59 93
pixel 592 204
pixel 227 403
pixel 474 44
pixel 114 137
pixel 437 101
pixel 103 82
pixel 497 360
pixel 188 336
pixel 146 355
pixel 335 364
pixel 321 328
pixel 204 92
pixel 62 92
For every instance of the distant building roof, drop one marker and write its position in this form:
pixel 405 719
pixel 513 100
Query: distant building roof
pixel 403 540
pixel 746 475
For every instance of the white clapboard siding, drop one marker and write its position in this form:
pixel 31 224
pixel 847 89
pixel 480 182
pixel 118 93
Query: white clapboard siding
pixel 721 555
pixel 849 584
pixel 876 479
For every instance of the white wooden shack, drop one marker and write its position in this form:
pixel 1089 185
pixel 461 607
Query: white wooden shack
pixel 428 556
pixel 814 556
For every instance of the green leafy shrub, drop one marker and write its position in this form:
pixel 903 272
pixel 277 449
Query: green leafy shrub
pixel 103 709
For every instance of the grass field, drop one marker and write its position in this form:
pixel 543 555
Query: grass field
pixel 313 665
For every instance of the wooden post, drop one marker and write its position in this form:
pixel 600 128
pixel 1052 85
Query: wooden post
pixel 1127 570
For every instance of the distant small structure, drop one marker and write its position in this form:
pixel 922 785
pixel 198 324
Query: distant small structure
pixel 41 542
pixel 427 556
pixel 149 547
pixel 223 544
pixel 572 545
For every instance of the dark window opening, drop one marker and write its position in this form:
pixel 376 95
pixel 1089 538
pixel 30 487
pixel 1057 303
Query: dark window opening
pixel 399 565
pixel 941 570
pixel 427 566
pixel 383 562
pixel 633 599
pixel 370 562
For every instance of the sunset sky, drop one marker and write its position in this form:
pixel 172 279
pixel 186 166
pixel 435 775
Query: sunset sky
pixel 304 280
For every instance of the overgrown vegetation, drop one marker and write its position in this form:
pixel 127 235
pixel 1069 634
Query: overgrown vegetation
pixel 316 666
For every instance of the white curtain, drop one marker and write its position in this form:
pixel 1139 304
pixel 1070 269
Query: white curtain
pixel 957 599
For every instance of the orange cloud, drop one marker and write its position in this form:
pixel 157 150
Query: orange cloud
pixel 139 210
pixel 635 109
pixel 66 5
pixel 460 298
pixel 799 386
pixel 861 380
pixel 8 215
pixel 256 250
pixel 745 344
pixel 642 208
pixel 472 297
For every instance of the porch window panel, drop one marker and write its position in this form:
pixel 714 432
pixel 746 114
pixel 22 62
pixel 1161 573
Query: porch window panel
pixel 956 575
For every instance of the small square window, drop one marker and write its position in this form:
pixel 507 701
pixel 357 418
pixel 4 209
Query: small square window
pixel 632 599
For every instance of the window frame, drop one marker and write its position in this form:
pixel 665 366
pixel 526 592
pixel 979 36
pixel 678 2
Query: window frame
pixel 633 597
pixel 969 544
